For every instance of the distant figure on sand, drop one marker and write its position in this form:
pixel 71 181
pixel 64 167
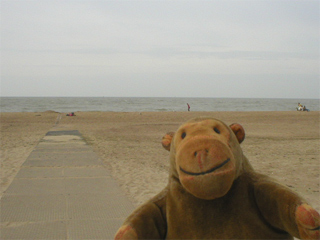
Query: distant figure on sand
pixel 305 109
pixel 302 108
pixel 188 107
pixel 70 114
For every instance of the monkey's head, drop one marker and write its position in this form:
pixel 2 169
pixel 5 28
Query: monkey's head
pixel 206 156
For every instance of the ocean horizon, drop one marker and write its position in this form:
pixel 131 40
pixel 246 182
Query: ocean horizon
pixel 151 104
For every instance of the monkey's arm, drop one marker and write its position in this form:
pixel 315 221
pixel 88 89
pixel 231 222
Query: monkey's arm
pixel 286 210
pixel 147 221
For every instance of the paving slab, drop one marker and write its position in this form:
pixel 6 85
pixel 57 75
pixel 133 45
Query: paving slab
pixel 27 208
pixel 36 186
pixel 40 155
pixel 37 230
pixel 98 206
pixel 41 159
pixel 40 172
pixel 64 133
pixel 65 149
pixel 63 191
pixel 93 171
pixel 93 229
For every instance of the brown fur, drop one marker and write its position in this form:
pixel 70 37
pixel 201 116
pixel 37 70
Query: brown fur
pixel 214 193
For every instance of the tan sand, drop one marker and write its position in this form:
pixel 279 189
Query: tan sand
pixel 285 145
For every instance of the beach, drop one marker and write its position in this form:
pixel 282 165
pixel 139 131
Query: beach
pixel 283 145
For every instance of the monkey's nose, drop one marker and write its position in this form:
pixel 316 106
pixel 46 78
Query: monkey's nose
pixel 205 151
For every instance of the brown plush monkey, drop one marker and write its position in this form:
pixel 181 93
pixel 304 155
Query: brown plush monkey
pixel 214 193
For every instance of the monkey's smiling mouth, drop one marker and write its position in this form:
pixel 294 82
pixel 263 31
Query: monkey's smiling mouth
pixel 206 172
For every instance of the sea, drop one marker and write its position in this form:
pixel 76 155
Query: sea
pixel 150 104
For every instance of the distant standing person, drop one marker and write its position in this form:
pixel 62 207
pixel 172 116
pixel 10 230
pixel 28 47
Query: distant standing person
pixel 188 107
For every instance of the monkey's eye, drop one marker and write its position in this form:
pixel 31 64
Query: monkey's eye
pixel 183 135
pixel 216 130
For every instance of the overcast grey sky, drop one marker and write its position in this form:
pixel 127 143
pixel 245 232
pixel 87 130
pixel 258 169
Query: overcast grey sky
pixel 222 48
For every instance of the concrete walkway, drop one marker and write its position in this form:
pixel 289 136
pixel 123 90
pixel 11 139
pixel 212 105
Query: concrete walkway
pixel 63 191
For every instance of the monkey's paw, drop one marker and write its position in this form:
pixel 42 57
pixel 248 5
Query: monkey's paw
pixel 308 221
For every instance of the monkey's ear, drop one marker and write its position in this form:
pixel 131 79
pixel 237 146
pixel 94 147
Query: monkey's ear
pixel 166 140
pixel 238 131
